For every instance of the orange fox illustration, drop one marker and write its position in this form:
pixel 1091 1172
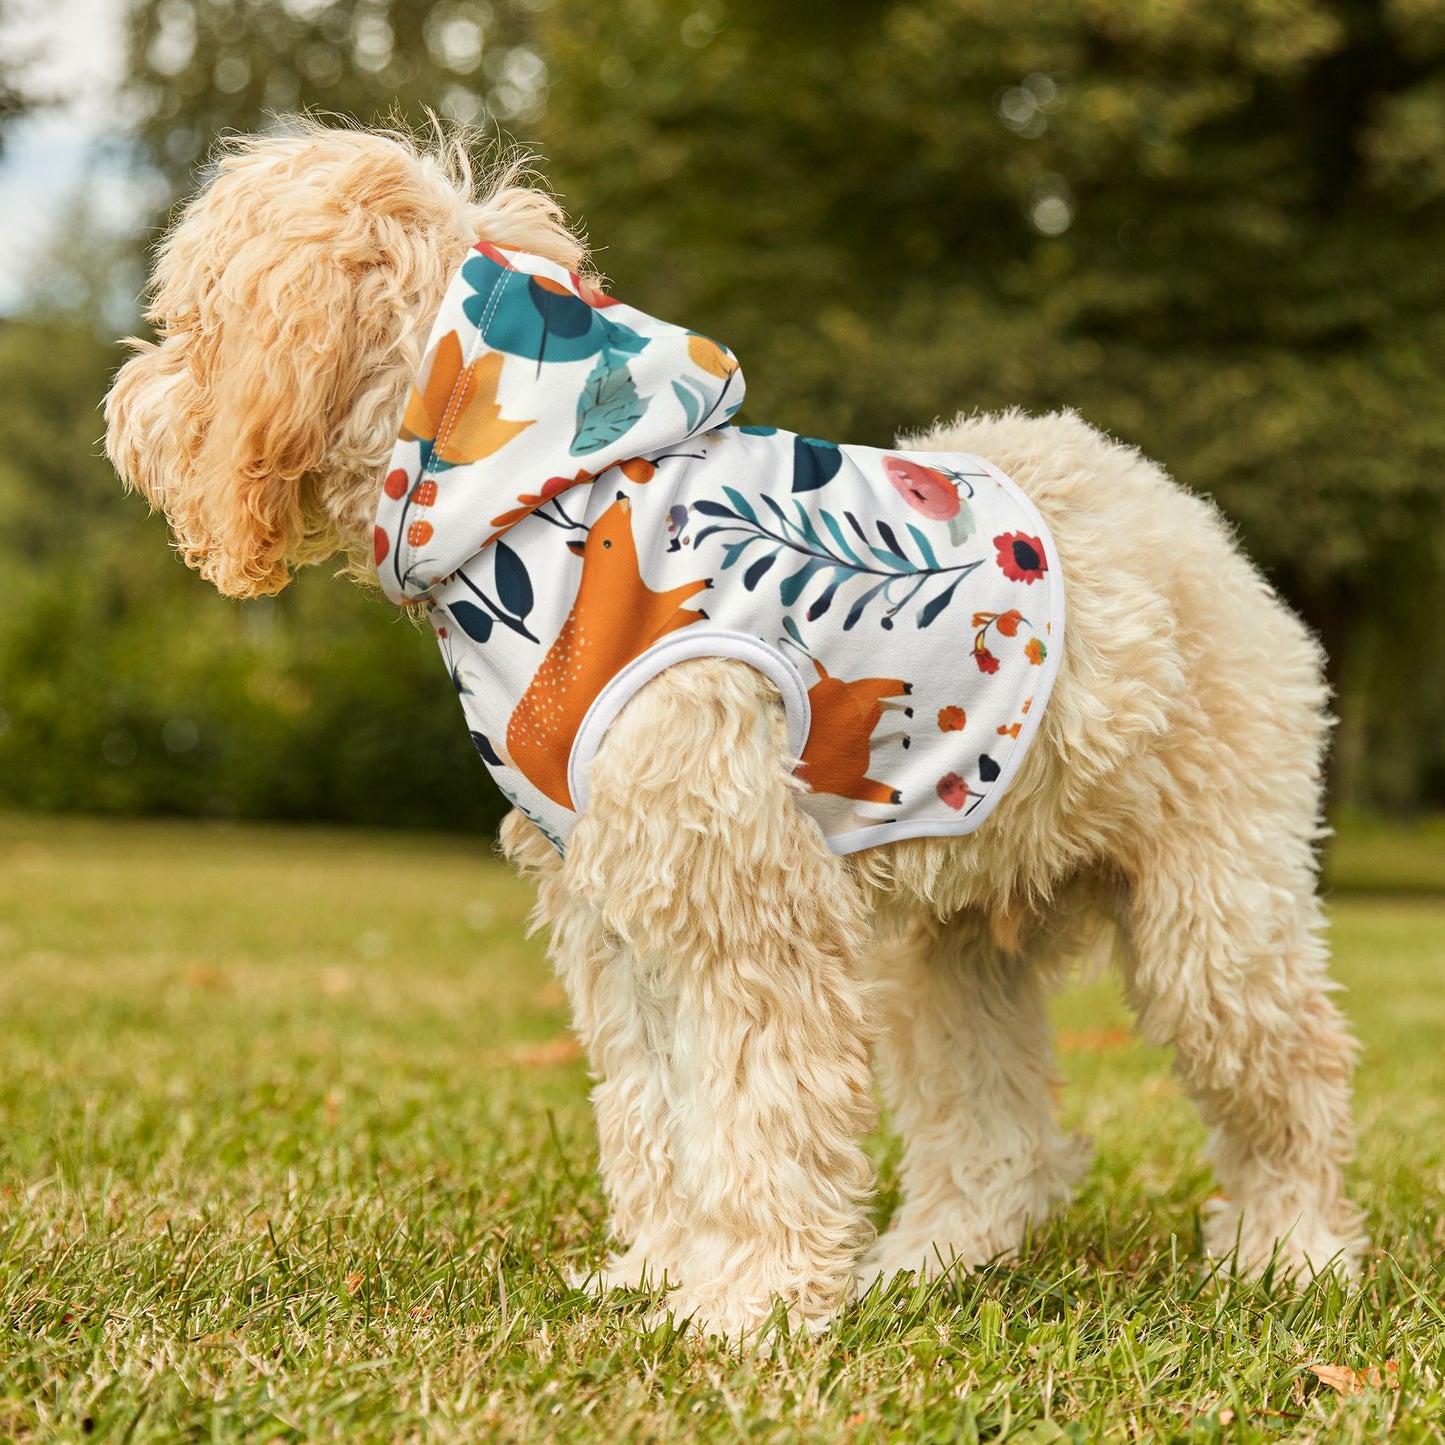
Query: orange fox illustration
pixel 835 759
pixel 615 618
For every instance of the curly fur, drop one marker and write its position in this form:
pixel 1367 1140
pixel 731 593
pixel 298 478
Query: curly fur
pixel 729 976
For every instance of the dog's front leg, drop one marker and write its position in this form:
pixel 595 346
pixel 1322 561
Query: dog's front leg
pixel 622 1018
pixel 742 930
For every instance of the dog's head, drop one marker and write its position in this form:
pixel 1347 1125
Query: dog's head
pixel 291 302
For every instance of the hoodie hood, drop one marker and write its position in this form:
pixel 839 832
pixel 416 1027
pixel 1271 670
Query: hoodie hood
pixel 533 382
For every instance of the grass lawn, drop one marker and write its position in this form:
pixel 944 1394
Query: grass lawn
pixel 293 1146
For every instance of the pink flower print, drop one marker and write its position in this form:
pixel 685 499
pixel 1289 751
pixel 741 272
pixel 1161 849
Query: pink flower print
pixel 953 791
pixel 924 489
pixel 932 494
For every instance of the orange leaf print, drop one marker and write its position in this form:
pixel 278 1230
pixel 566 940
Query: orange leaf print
pixel 708 356
pixel 477 428
pixel 1011 731
pixel 637 469
pixel 428 401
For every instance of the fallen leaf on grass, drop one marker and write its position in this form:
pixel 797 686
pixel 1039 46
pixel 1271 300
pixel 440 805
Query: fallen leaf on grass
pixel 354 1283
pixel 551 995
pixel 202 975
pixel 533 1056
pixel 1346 1381
pixel 1099 1040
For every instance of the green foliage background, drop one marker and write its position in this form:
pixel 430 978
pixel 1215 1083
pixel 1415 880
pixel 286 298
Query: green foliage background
pixel 1215 228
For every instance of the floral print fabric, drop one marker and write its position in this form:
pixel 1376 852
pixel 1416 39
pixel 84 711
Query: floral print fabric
pixel 571 500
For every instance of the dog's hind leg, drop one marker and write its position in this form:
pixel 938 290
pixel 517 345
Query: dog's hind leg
pixel 966 1060
pixel 1225 961
pixel 744 929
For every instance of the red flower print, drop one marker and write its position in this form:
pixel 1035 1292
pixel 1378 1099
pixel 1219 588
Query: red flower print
pixel 987 662
pixel 419 533
pixel 495 253
pixel 952 719
pixel 1021 556
pixel 1035 650
pixel 953 791
pixel 924 489
pixel 532 500
pixel 395 485
pixel 597 300
pixel 1008 622
pixel 380 545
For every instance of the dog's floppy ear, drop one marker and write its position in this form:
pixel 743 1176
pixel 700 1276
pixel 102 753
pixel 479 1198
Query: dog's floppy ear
pixel 269 356
pixel 220 421
pixel 292 301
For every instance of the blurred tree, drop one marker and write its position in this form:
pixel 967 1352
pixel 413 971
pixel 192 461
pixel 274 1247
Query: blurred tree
pixel 127 685
pixel 202 67
pixel 1217 229
pixel 15 99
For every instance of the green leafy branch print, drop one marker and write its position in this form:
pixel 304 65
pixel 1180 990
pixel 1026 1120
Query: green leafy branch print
pixel 844 555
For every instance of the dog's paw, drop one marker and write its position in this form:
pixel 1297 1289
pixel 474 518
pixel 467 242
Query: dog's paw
pixel 753 1324
pixel 1299 1245
pixel 632 1270
pixel 898 1253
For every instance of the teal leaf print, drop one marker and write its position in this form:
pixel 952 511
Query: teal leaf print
pixel 757 569
pixel 831 523
pixel 485 750
pixel 824 599
pixel 541 320
pixel 815 463
pixel 790 588
pixel 740 503
pixel 693 400
pixel 856 611
pixel 928 554
pixel 608 408
pixel 514 586
pixel 472 620
pixel 927 613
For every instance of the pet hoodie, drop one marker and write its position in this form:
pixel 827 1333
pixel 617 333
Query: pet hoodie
pixel 571 501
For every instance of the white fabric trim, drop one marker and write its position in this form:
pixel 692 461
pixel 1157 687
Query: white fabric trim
pixel 694 642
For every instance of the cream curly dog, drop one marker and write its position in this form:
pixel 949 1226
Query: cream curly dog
pixel 730 976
